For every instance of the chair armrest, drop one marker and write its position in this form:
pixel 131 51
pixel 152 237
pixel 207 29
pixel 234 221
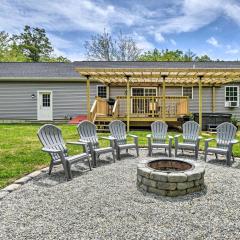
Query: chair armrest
pixel 200 137
pixel 131 135
pixel 177 136
pixel 78 143
pixel 51 150
pixel 110 138
pixel 209 140
pixel 234 141
pixel 170 137
pixel 149 135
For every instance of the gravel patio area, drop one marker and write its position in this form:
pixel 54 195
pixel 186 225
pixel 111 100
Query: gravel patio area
pixel 106 204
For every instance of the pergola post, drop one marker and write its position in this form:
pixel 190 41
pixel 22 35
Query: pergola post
pixel 128 103
pixel 164 98
pixel 88 97
pixel 213 99
pixel 200 100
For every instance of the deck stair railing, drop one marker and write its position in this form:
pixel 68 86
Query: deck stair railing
pixel 115 111
pixel 99 107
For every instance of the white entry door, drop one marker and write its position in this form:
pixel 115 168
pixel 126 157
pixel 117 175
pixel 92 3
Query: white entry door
pixel 45 105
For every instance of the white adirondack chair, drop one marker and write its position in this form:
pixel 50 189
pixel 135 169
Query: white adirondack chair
pixel 226 133
pixel 118 134
pixel 191 138
pixel 51 138
pixel 88 134
pixel 159 137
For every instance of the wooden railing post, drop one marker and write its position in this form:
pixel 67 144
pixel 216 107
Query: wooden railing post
pixel 88 97
pixel 164 98
pixel 128 103
pixel 200 100
pixel 213 99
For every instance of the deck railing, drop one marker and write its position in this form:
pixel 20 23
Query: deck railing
pixel 151 106
pixel 141 107
pixel 99 107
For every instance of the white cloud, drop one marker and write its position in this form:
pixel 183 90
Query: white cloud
pixel 173 42
pixel 232 50
pixel 142 42
pixel 78 17
pixel 159 37
pixel 213 41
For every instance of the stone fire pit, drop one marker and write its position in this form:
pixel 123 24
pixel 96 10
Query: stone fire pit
pixel 170 176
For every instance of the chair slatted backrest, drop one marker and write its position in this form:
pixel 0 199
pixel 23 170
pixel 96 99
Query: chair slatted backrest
pixel 226 132
pixel 87 131
pixel 51 137
pixel 118 130
pixel 190 131
pixel 159 131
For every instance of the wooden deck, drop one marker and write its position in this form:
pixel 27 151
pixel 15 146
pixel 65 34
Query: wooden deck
pixel 144 110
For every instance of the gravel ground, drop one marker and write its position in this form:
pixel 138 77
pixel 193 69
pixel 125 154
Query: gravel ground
pixel 105 204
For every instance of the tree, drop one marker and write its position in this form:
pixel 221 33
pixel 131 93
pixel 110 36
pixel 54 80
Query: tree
pixel 34 43
pixel 172 55
pixel 126 49
pixel 189 56
pixel 54 58
pixel 104 47
pixel 203 58
pixel 4 40
pixel 9 51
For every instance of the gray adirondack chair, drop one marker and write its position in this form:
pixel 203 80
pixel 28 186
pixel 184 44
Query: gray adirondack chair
pixel 51 138
pixel 88 134
pixel 191 138
pixel 226 133
pixel 158 138
pixel 118 134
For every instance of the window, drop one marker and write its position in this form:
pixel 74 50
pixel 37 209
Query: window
pixel 231 96
pixel 102 91
pixel 187 92
pixel 46 100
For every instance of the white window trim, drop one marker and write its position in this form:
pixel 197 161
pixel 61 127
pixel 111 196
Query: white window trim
pixel 107 88
pixel 145 88
pixel 225 105
pixel 51 102
pixel 192 92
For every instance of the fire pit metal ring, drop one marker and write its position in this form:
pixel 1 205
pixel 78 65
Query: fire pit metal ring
pixel 170 176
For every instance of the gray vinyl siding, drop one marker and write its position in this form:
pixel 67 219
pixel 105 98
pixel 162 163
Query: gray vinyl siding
pixel 220 102
pixel 119 91
pixel 68 99
pixel 193 103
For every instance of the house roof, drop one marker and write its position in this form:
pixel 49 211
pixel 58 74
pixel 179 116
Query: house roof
pixel 24 70
pixel 67 71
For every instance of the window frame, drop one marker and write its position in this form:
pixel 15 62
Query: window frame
pixel 187 96
pixel 107 91
pixel 225 95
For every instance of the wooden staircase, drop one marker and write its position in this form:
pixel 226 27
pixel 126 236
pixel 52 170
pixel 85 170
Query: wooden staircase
pixel 102 125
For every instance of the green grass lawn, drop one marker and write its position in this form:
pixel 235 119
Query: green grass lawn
pixel 20 150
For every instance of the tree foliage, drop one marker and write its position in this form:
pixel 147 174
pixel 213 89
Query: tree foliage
pixel 171 55
pixel 32 45
pixel 106 48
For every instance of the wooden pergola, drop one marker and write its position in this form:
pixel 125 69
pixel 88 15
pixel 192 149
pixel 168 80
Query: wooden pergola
pixel 164 76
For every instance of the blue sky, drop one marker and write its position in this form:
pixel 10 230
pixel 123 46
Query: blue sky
pixel 205 26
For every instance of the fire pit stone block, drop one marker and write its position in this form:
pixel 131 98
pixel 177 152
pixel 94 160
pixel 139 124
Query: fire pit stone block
pixel 186 177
